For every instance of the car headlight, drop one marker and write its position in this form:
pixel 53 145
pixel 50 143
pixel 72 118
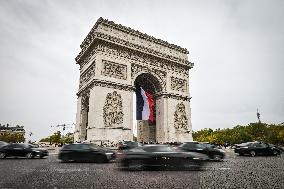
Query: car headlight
pixel 221 151
pixel 109 153
pixel 37 151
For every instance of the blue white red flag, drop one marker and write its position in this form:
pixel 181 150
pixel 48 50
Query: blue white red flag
pixel 144 106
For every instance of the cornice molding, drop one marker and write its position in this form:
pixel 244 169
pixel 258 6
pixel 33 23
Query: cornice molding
pixel 128 30
pixel 125 43
pixel 134 55
pixel 108 84
pixel 174 96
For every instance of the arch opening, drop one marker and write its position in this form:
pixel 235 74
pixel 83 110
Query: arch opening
pixel 146 129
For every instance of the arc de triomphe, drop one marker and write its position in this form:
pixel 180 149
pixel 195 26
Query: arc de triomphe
pixel 114 60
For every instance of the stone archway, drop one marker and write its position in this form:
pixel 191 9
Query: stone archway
pixel 146 129
pixel 115 59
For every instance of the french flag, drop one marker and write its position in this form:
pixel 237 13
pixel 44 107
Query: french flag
pixel 144 106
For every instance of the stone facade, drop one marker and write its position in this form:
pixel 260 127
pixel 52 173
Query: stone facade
pixel 112 57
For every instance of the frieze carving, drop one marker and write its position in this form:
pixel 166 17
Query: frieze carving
pixel 108 84
pixel 178 84
pixel 87 75
pixel 115 70
pixel 137 56
pixel 112 111
pixel 85 96
pixel 136 69
pixel 180 118
pixel 106 37
pixel 123 32
pixel 173 96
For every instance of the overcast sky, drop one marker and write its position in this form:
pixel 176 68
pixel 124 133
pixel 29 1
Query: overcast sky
pixel 237 48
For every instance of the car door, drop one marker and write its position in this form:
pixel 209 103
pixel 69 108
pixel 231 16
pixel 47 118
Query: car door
pixel 260 148
pixel 82 152
pixel 17 150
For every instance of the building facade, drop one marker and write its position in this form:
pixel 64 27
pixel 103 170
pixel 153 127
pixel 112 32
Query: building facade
pixel 114 61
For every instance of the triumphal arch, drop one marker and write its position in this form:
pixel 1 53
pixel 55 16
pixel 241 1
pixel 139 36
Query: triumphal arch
pixel 114 61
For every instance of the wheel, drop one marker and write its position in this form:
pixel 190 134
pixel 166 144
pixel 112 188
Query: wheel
pixel 30 155
pixel 217 157
pixel 252 153
pixel 135 165
pixel 2 155
pixel 41 157
pixel 275 152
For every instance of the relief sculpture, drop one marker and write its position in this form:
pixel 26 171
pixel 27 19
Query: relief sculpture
pixel 112 111
pixel 180 120
pixel 87 75
pixel 178 84
pixel 115 70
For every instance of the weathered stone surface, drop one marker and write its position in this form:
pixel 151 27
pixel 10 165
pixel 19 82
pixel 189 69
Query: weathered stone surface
pixel 111 59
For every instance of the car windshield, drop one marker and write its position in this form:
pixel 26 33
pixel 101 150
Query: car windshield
pixel 94 146
pixel 193 145
pixel 2 143
pixel 206 145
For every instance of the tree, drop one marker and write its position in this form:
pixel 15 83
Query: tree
pixel 12 137
pixel 252 132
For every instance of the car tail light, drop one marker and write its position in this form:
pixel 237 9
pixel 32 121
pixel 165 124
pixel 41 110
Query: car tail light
pixel 119 155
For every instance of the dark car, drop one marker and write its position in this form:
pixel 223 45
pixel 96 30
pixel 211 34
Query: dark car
pixel 2 143
pixel 84 152
pixel 126 145
pixel 257 148
pixel 213 153
pixel 161 157
pixel 22 150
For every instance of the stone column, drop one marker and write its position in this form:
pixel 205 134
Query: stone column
pixel 143 131
pixel 84 124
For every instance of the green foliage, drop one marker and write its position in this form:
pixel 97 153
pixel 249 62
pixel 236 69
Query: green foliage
pixel 56 138
pixel 12 137
pixel 252 132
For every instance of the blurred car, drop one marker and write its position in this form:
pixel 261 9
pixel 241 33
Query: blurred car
pixel 208 145
pixel 208 149
pixel 22 150
pixel 126 145
pixel 161 157
pixel 256 148
pixel 83 152
pixel 2 143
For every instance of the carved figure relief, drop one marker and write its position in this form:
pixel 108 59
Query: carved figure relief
pixel 115 70
pixel 87 75
pixel 85 99
pixel 112 111
pixel 178 84
pixel 180 119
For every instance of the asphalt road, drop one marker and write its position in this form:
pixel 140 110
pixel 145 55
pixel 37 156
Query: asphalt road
pixel 234 172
